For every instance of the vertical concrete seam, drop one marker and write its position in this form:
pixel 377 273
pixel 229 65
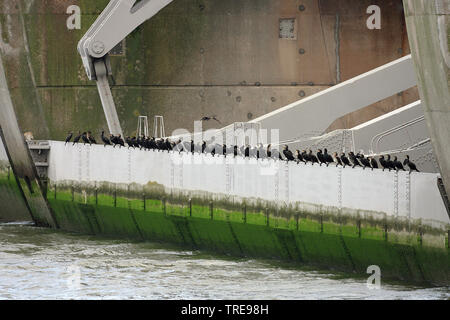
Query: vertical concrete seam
pixel 396 194
pixel 141 235
pixel 30 67
pixel 325 42
pixel 338 47
pixel 419 266
pixel 189 233
pixel 233 234
pixel 347 252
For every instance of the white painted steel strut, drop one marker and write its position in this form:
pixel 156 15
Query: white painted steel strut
pixel 115 23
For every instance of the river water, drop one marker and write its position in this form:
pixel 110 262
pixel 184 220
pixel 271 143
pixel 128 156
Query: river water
pixel 40 263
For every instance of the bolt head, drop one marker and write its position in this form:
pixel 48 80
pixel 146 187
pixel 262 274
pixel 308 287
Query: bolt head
pixel 98 47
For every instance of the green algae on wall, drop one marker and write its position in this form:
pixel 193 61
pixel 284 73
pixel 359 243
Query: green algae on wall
pixel 301 239
pixel 12 205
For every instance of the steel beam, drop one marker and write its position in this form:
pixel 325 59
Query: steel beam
pixel 312 116
pixel 20 159
pixel 109 107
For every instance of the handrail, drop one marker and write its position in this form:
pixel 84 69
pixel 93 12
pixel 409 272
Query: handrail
pixel 384 134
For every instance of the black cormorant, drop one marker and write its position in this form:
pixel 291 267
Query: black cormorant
pixel 328 158
pixel 353 160
pixel 69 137
pixel 412 167
pixel 105 139
pixel 345 160
pixel 312 157
pixel 398 165
pixel 373 163
pixel 320 157
pixel 288 153
pixel 85 138
pixel 77 138
pixel 384 163
pixel 337 159
pixel 91 138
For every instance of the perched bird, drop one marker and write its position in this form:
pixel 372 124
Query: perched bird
pixel 91 138
pixel 85 138
pixel 113 140
pixel 305 156
pixel 327 157
pixel 337 160
pixel 77 138
pixel 299 157
pixel 160 144
pixel 353 160
pixel 152 144
pixel 203 146
pixel 398 165
pixel 320 157
pixel 345 160
pixel 169 145
pixel 364 161
pixel 412 167
pixel 69 137
pixel 105 139
pixel 247 151
pixel 269 151
pixel 373 163
pixel 390 163
pixel 384 163
pixel 312 157
pixel 120 141
pixel 129 142
pixel 288 153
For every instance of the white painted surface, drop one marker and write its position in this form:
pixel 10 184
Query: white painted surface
pixel 311 116
pixel 358 189
pixel 395 130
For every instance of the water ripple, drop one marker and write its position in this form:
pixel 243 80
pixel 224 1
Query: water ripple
pixel 44 264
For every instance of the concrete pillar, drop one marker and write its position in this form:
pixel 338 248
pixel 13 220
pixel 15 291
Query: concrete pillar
pixel 20 159
pixel 428 23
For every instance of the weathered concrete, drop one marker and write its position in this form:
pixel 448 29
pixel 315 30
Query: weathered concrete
pixel 13 206
pixel 429 31
pixel 188 62
pixel 20 158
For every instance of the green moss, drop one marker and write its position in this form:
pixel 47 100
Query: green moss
pixel 314 240
pixel 13 207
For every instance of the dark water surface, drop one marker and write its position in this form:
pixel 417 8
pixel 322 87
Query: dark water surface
pixel 44 264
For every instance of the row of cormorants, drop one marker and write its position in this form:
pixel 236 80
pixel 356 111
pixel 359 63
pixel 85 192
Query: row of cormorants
pixel 259 152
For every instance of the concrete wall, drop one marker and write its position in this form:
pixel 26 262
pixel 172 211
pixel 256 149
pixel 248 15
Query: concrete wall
pixel 429 28
pixel 226 59
pixel 20 160
pixel 348 191
pixel 13 206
